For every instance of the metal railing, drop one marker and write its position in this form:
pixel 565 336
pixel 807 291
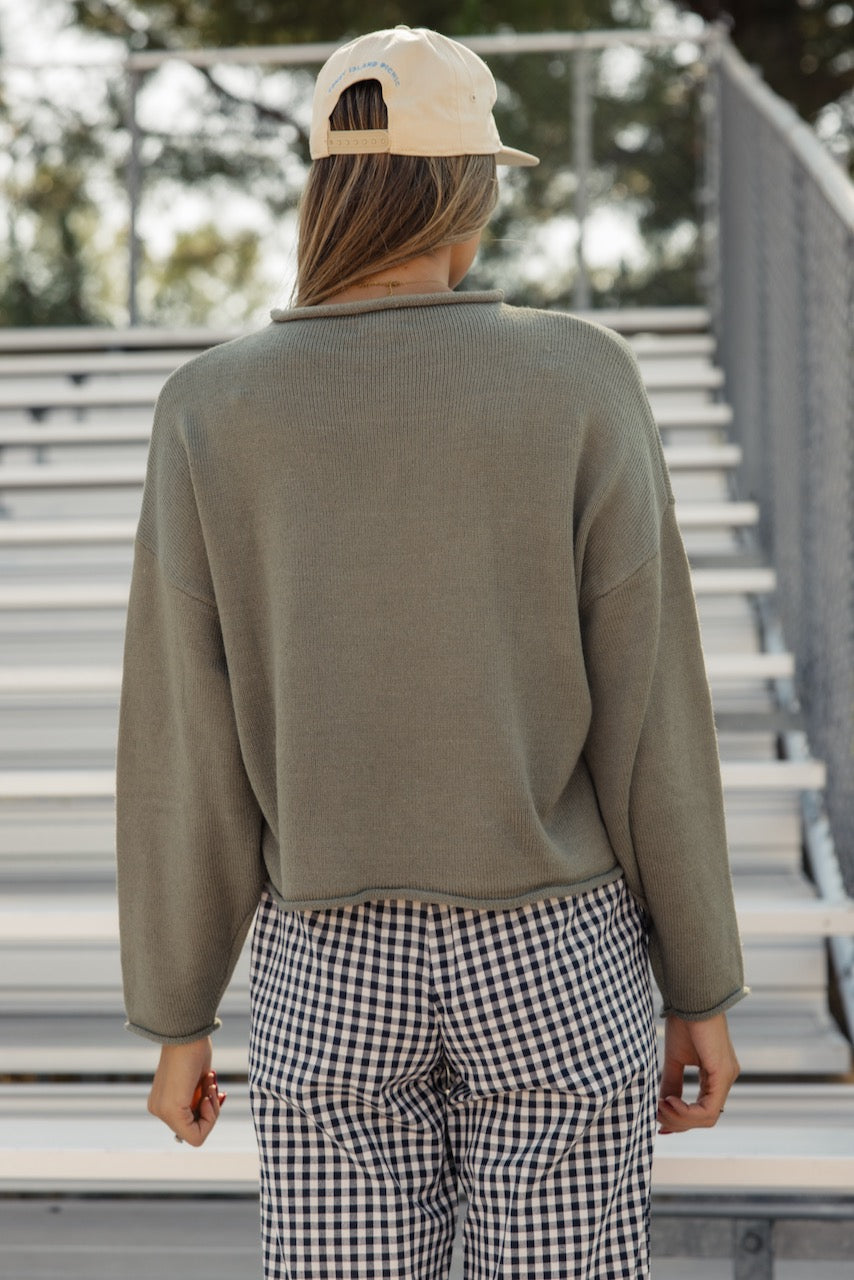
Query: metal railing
pixel 580 99
pixel 576 51
pixel 783 308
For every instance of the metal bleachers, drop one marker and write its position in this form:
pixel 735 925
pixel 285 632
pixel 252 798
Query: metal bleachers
pixel 72 1096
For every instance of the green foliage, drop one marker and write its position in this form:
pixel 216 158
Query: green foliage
pixel 251 22
pixel 49 274
pixel 804 48
pixel 202 278
pixel 247 136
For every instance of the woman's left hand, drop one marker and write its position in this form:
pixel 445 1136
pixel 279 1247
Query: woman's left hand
pixel 183 1068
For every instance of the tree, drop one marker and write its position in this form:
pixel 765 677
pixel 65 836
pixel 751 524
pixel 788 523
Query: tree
pixel 248 132
pixel 654 183
pixel 804 48
pixel 51 272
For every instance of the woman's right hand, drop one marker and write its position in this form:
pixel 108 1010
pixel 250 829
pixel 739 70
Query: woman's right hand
pixel 182 1069
pixel 704 1044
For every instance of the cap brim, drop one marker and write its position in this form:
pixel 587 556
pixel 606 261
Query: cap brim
pixel 509 155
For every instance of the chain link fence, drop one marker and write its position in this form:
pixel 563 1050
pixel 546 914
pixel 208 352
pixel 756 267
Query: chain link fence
pixel 784 317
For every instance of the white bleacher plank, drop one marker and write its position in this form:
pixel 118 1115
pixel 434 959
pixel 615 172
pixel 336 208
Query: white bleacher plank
pixel 52 923
pixel 86 784
pixel 50 532
pixel 702 457
pixel 648 349
pixel 103 1138
pixel 42 476
pixel 696 515
pixel 704 515
pixel 650 345
pixel 64 595
pixel 795 1042
pixel 769 1035
pixel 81 1138
pixel 642 322
pixel 746 666
pixel 113 595
pixel 68 679
pixel 769 906
pixel 785 1038
pixel 57 784
pixel 43 437
pixel 785 920
pixel 107 679
pixel 752 581
pixel 777 774
pixel 98 338
pixel 649 320
pixel 125 363
pixel 794 1160
pixel 658 376
pixel 669 416
pixel 72 395
pixel 77 976
pixel 785 965
pixel 99 1044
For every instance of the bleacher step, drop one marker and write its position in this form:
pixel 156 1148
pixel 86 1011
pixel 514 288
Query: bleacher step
pixel 92 1138
pixel 24 533
pixel 93 784
pixel 769 1038
pixel 107 679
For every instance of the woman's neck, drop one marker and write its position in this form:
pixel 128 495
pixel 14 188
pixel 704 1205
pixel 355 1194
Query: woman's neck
pixel 429 273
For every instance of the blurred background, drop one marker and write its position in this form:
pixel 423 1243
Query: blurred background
pixel 203 165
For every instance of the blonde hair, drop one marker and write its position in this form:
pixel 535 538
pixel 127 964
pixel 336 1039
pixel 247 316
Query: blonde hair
pixel 360 214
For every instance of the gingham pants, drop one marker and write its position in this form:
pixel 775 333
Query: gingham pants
pixel 399 1045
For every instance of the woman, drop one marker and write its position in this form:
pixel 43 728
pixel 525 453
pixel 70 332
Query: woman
pixel 413 671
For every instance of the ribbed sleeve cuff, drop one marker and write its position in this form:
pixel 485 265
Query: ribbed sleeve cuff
pixel 739 994
pixel 187 1039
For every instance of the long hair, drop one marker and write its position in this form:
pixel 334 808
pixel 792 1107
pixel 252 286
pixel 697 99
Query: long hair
pixel 360 214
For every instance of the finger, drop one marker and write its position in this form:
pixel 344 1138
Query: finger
pixel 672 1079
pixel 215 1104
pixel 678 1115
pixel 195 1131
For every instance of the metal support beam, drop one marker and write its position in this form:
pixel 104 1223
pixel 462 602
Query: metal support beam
pixel 582 153
pixel 710 188
pixel 134 182
pixel 753 1249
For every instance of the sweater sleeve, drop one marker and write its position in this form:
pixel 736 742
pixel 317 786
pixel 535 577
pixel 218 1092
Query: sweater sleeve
pixel 652 752
pixel 188 826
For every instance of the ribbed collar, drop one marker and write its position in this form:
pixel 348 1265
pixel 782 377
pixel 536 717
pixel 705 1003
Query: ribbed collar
pixel 360 307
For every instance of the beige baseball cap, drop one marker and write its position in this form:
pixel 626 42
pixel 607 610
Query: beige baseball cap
pixel 439 96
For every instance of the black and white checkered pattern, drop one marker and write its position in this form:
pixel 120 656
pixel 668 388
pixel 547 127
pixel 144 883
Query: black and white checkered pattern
pixel 399 1045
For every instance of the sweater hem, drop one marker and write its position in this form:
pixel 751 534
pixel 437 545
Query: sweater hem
pixel 739 994
pixel 423 894
pixel 185 1039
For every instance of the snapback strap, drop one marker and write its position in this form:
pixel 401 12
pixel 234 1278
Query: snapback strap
pixel 362 141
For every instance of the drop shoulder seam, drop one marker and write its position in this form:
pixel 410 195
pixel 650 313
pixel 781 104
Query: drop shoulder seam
pixel 671 502
pixel 191 595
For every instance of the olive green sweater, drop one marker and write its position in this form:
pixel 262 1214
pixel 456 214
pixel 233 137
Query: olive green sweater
pixel 411 617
